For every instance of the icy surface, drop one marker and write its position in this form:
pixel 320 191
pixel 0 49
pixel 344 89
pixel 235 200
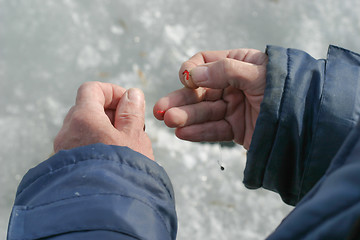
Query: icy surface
pixel 48 48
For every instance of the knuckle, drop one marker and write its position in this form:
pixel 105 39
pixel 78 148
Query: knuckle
pixel 87 85
pixel 230 72
pixel 200 54
pixel 84 86
pixel 131 121
pixel 229 67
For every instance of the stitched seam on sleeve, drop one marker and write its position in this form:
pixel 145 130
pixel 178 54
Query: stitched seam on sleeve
pixel 286 83
pixel 159 181
pixel 345 50
pixel 103 194
pixel 280 108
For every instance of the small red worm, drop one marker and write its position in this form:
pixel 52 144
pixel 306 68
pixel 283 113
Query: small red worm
pixel 161 112
pixel 187 74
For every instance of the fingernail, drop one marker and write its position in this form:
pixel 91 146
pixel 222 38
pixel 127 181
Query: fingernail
pixel 200 74
pixel 135 96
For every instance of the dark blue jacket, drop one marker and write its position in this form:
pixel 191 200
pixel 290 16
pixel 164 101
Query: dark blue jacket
pixel 310 107
pixel 307 122
pixel 95 192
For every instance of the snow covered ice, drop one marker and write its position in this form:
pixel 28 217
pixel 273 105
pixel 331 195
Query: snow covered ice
pixel 48 48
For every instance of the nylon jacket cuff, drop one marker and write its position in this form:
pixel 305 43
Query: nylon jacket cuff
pixel 99 188
pixel 309 108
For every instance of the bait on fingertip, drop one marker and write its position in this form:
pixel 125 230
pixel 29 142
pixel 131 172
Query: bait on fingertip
pixel 162 113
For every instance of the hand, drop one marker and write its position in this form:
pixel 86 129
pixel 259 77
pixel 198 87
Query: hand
pixel 221 101
pixel 105 113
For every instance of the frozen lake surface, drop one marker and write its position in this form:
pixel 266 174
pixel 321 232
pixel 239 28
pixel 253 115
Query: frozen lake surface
pixel 48 48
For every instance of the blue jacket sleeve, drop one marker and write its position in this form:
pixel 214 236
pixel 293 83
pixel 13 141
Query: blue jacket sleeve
pixel 94 192
pixel 309 108
pixel 331 210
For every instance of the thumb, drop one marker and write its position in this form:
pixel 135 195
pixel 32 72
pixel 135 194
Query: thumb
pixel 226 72
pixel 130 112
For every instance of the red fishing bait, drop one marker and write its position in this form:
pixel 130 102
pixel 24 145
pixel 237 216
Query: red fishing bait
pixel 187 74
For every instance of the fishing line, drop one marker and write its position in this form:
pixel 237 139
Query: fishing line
pixel 220 161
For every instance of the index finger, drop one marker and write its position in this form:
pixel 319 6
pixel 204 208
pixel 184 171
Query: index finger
pixel 201 58
pixel 105 95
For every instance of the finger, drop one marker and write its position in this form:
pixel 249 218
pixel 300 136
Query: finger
pixel 204 57
pixel 106 95
pixel 130 112
pixel 195 114
pixel 200 58
pixel 228 72
pixel 243 54
pixel 182 97
pixel 209 132
pixel 251 56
